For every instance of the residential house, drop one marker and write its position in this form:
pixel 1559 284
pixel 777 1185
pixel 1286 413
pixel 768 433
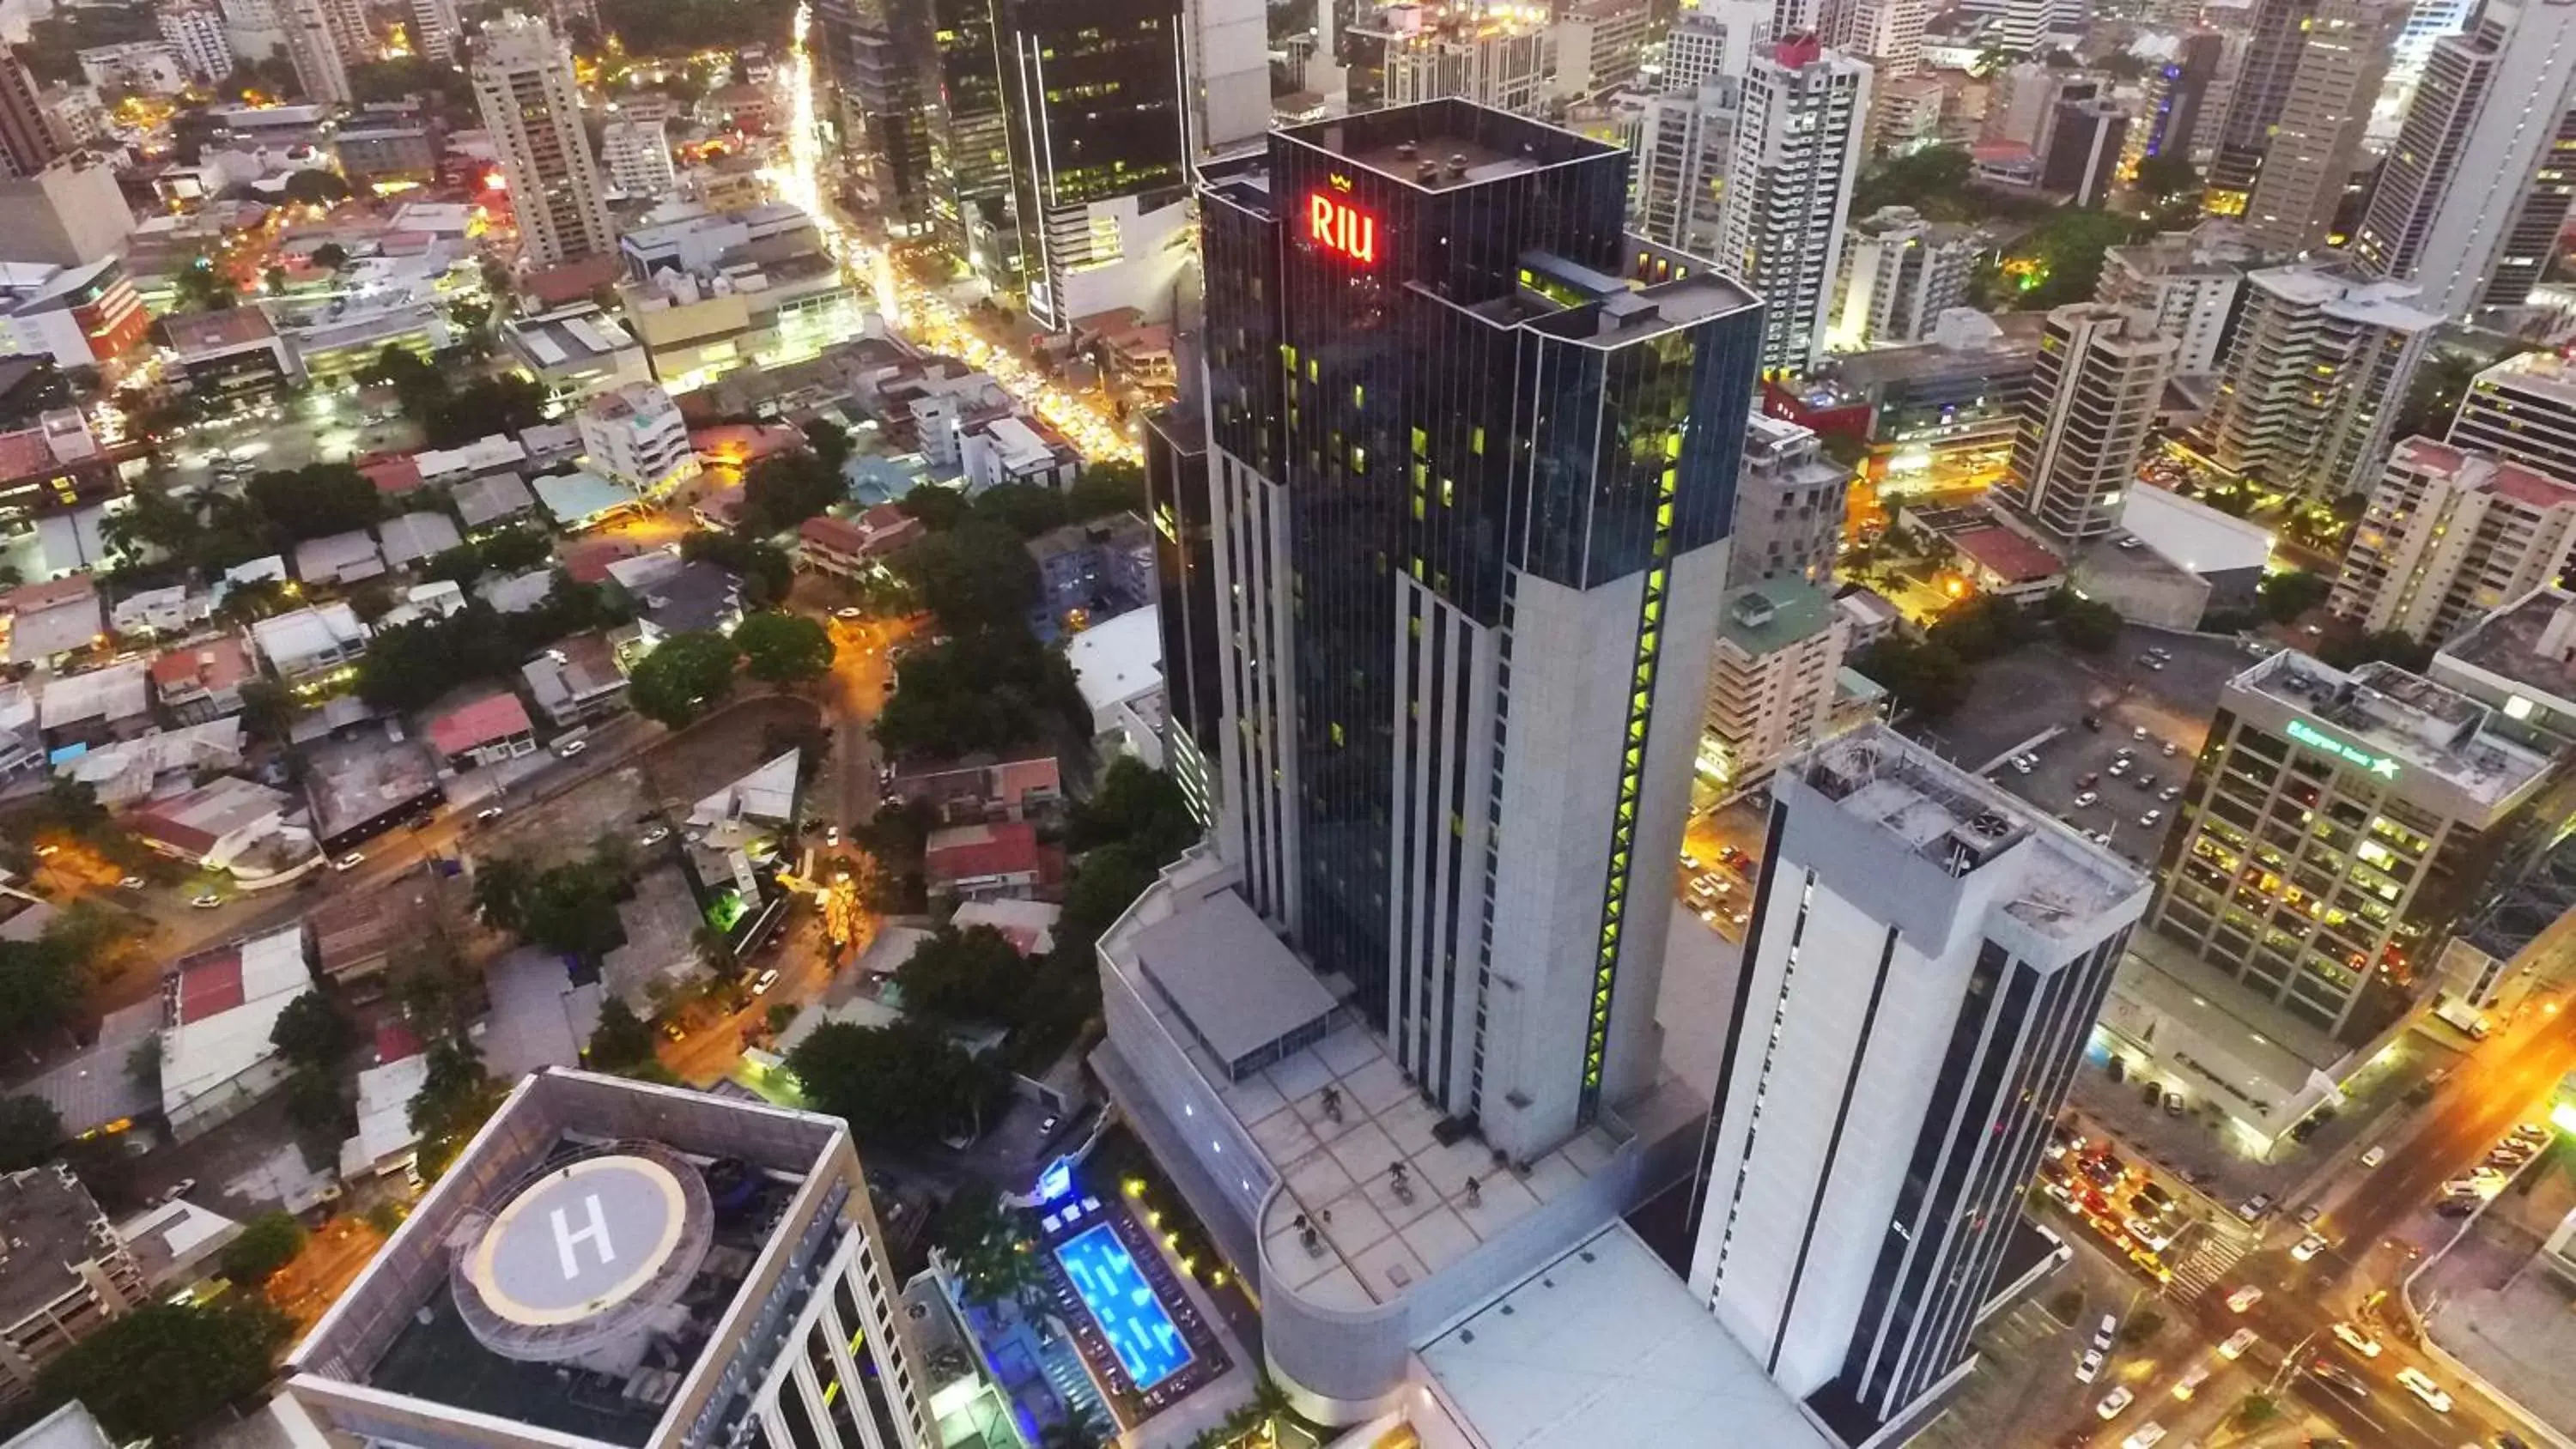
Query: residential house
pixel 306 648
pixel 486 732
pixel 851 547
pixel 979 862
pixel 576 680
pixel 202 680
pixel 413 539
pixel 983 786
pixel 341 559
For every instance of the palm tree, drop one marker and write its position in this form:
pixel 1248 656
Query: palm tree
pixel 715 948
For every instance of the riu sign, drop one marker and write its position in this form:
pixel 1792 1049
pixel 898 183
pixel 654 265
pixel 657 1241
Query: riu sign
pixel 1338 226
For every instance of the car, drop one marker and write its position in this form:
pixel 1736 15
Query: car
pixel 179 1189
pixel 760 984
pixel 832 836
pixel 2534 1132
pixel 567 751
pixel 2150 820
pixel 656 835
pixel 131 883
pixel 2020 767
pixel 1708 914
pixel 2455 1207
pixel 2113 1402
pixel 2415 1381
pixel 2308 1215
pixel 2244 1298
pixel 2173 1104
pixel 1689 861
pixel 2169 793
pixel 1740 917
pixel 2105 1331
pixel 2308 1248
pixel 2155 664
pixel 2374 1155
pixel 2236 1344
pixel 2464 1187
pixel 2169 749
pixel 2255 1206
pixel 207 902
pixel 2191 1380
pixel 845 612
pixel 1703 888
pixel 2119 767
pixel 2089 1367
pixel 2356 1340
pixel 48 852
pixel 351 861
pixel 2088 780
pixel 2086 798
pixel 2093 722
pixel 488 812
pixel 2334 1375
pixel 2139 733
pixel 2143 780
pixel 2146 1438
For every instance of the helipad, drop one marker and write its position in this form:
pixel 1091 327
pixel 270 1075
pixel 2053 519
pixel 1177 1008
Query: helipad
pixel 586 1244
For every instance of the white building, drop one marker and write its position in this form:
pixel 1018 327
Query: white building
pixel 218 1010
pixel 531 105
pixel 2450 535
pixel 2314 377
pixel 1899 274
pixel 2190 280
pixel 2473 193
pixel 156 67
pixel 1925 958
pixel 1788 189
pixel 1789 504
pixel 1118 666
pixel 1780 644
pixel 310 644
pixel 314 49
pixel 2086 419
pixel 2523 409
pixel 1685 141
pixel 196 28
pixel 638 157
pixel 1886 33
pixel 635 434
pixel 1714 41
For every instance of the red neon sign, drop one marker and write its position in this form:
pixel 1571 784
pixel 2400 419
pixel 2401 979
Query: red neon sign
pixel 1338 226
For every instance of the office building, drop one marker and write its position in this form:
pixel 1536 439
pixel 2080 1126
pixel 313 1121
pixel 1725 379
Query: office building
pixel 2472 196
pixel 1925 958
pixel 2319 364
pixel 28 141
pixel 1788 189
pixel 1177 498
pixel 313 48
pixel 2427 22
pixel 1899 274
pixel 715 1260
pixel 2084 146
pixel 69 1273
pixel 2522 410
pixel 1600 45
pixel 2334 825
pixel 523 80
pixel 2178 97
pixel 436 30
pixel 2086 420
pixel 2191 281
pixel 1934 416
pixel 2263 78
pixel 1485 801
pixel 2315 143
pixel 2020 25
pixel 196 28
pixel 2450 535
pixel 1685 141
pixel 1713 42
pixel 1771 682
pixel 1498 58
pixel 635 435
pixel 637 155
pixel 1789 502
pixel 1094 99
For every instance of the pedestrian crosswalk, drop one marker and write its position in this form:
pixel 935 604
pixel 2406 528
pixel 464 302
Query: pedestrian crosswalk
pixel 2209 1258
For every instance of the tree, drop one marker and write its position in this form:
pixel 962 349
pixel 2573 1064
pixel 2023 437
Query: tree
pixel 684 677
pixel 1026 509
pixel 1933 181
pixel 2089 625
pixel 973 576
pixel 1927 678
pixel 501 885
pixel 2142 1325
pixel 622 1042
pixel 267 1243
pixel 990 1246
pixel 410 75
pixel 201 286
pixel 268 711
pixel 968 975
pixel 314 501
pixel 1983 627
pixel 41 982
pixel 2435 391
pixel 783 648
pixel 29 1132
pixel 2257 1410
pixel 986 690
pixel 784 489
pixel 572 910
pixel 454 1100
pixel 2394 646
pixel 317 187
pixel 164 1370
pixel 2292 592
pixel 765 572
pixel 2060 260
pixel 938 509
pixel 2167 175
pixel 1104 489
pixel 830 442
pixel 313 1032
pixel 487 405
pixel 331 256
pixel 899 1085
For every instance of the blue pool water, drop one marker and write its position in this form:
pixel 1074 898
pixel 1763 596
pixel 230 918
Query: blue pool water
pixel 1148 1343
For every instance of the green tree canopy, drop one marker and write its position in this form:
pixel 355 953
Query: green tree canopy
pixel 1927 678
pixel 454 1100
pixel 2088 625
pixel 897 1086
pixel 313 1032
pixel 968 975
pixel 622 1042
pixel 685 676
pixel 314 501
pixel 2292 592
pixel 784 489
pixel 29 1132
pixel 988 690
pixel 783 648
pixel 316 187
pixel 973 576
pixel 2167 175
pixel 1137 803
pixel 163 1371
pixel 267 1243
pixel 765 572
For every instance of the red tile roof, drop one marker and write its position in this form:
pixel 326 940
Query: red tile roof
pixel 396 473
pixel 211 987
pixel 837 534
pixel 480 723
pixel 2007 555
pixel 395 1041
pixel 571 282
pixel 212 664
pixel 587 560
pixel 35 598
pixel 1008 847
pixel 25 454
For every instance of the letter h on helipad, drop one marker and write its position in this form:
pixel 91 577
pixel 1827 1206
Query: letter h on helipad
pixel 596 1235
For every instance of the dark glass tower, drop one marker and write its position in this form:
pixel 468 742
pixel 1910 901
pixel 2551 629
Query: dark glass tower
pixel 1472 455
pixel 1176 495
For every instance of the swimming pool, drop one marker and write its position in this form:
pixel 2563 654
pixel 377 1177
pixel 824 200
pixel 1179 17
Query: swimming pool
pixel 1139 1329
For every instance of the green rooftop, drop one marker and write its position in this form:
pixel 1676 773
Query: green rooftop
pixel 1767 617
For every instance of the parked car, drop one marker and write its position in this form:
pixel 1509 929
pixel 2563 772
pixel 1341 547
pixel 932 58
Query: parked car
pixel 2146 1438
pixel 2193 1377
pixel 845 612
pixel 2255 1206
pixel 2089 1367
pixel 207 902
pixel 488 812
pixel 2113 1402
pixel 657 835
pixel 2150 820
pixel 131 883
pixel 2308 1215
pixel 571 748
pixel 351 861
pixel 2086 798
pixel 760 984
pixel 179 1189
pixel 2374 1155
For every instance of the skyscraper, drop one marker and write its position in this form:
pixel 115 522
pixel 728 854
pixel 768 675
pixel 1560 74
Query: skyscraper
pixel 2523 409
pixel 2472 196
pixel 2320 359
pixel 1463 692
pixel 28 143
pixel 2178 96
pixel 2254 103
pixel 197 28
pixel 532 107
pixel 313 48
pixel 2450 535
pixel 1925 960
pixel 436 29
pixel 2315 143
pixel 1176 494
pixel 1797 151
pixel 2087 417
pixel 1714 40
pixel 1684 142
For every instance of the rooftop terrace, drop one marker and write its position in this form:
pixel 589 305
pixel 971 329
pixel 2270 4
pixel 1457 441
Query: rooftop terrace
pixel 2405 721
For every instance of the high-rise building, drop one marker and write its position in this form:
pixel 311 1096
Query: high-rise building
pixel 436 30
pixel 2262 87
pixel 1499 58
pixel 2313 378
pixel 2084 145
pixel 196 27
pixel 350 33
pixel 1483 801
pixel 2086 420
pixel 2020 25
pixel 1685 141
pixel 1177 499
pixel 2178 96
pixel 638 157
pixel 2427 21
pixel 1771 681
pixel 2191 281
pixel 2522 410
pixel 1600 45
pixel 588 1217
pixel 2472 196
pixel 1788 189
pixel 1886 33
pixel 2450 535
pixel 532 107
pixel 2315 143
pixel 1716 40
pixel 1924 963
pixel 2333 826
pixel 1789 502
pixel 1899 274
pixel 28 142
pixel 70 1273
pixel 1095 107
